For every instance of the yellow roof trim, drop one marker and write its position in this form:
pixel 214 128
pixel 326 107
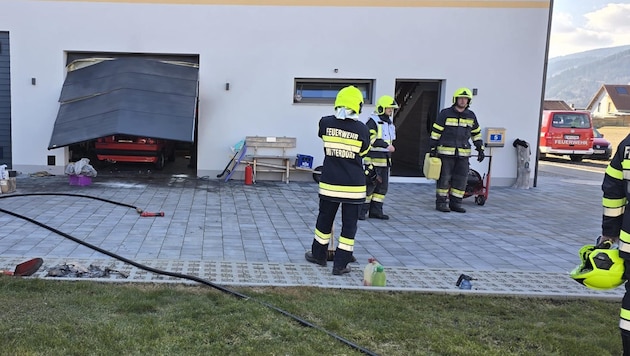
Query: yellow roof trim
pixel 538 4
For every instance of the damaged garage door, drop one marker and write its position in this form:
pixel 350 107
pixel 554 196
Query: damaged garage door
pixel 126 96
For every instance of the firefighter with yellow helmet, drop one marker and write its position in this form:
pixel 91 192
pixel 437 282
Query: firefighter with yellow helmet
pixel 342 182
pixel 615 230
pixel 382 136
pixel 451 133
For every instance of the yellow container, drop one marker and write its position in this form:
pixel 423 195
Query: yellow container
pixel 432 167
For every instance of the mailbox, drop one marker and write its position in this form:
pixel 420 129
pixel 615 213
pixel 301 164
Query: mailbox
pixel 495 137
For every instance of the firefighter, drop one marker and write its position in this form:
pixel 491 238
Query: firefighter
pixel 382 135
pixel 616 224
pixel 450 140
pixel 346 141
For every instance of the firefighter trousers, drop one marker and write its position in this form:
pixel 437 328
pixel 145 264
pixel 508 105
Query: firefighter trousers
pixel 451 185
pixel 375 193
pixel 624 321
pixel 325 220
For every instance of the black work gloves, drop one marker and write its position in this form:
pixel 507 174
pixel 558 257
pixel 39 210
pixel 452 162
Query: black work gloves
pixel 371 174
pixel 480 154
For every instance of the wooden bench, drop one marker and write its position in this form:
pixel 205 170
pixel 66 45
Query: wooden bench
pixel 269 154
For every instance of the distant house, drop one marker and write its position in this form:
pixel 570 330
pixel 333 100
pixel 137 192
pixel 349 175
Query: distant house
pixel 556 105
pixel 611 105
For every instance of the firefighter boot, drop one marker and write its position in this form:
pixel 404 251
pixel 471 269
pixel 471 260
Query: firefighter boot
pixel 441 204
pixel 363 210
pixel 456 205
pixel 376 211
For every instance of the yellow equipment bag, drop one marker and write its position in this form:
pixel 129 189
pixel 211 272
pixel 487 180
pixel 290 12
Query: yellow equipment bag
pixel 432 167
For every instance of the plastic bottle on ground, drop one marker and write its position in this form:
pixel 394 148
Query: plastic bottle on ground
pixel 368 270
pixel 378 277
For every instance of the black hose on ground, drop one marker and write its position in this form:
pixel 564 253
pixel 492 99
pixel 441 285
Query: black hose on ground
pixel 171 274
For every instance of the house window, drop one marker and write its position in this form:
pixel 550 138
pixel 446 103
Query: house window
pixel 599 107
pixel 324 91
pixel 621 90
pixel 609 107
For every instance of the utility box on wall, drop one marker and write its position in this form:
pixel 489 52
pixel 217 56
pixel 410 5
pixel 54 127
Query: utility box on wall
pixel 495 137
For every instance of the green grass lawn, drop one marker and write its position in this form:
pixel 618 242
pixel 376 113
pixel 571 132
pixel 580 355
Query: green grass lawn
pixel 43 317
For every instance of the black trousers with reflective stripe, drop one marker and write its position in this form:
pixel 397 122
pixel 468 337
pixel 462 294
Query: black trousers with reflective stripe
pixel 454 174
pixel 325 220
pixel 625 304
pixel 378 188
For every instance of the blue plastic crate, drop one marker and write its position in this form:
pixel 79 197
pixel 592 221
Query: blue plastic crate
pixel 304 161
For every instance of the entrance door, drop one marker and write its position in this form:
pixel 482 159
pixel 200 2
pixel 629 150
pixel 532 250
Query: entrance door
pixel 419 105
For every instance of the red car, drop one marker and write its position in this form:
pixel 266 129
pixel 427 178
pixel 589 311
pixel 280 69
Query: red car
pixel 122 148
pixel 602 149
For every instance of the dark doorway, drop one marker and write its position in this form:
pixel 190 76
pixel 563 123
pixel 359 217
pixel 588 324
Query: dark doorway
pixel 419 105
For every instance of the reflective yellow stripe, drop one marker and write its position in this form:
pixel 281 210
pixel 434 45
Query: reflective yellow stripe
pixel 613 172
pixel 613 203
pixel 457 193
pixel 624 237
pixel 446 150
pixel 442 192
pixel 346 244
pixel 614 212
pixel 322 238
pixel 380 162
pixel 368 199
pixel 435 135
pixel 477 137
pixel 623 246
pixel 451 122
pixel 624 324
pixel 438 127
pixel 342 143
pixel 378 197
pixel 625 314
pixel 466 122
pixel 342 191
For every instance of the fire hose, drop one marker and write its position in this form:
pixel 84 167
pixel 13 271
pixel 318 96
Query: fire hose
pixel 168 273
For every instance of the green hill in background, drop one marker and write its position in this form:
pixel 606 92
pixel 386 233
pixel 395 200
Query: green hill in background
pixel 575 78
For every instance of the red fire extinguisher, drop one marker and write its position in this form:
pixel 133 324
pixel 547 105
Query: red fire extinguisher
pixel 249 175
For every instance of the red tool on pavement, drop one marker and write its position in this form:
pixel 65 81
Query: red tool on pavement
pixel 147 214
pixel 25 269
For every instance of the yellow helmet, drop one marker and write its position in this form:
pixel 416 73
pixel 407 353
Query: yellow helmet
pixel 385 102
pixel 351 98
pixel 601 268
pixel 462 93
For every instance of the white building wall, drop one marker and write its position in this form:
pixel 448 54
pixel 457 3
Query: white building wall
pixel 497 47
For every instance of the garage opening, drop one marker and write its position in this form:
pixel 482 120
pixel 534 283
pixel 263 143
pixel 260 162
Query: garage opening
pixel 419 105
pixel 129 110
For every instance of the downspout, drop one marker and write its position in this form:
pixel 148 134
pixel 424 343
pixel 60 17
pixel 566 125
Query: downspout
pixel 544 84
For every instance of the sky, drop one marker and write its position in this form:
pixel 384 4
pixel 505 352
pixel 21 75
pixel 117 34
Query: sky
pixel 581 25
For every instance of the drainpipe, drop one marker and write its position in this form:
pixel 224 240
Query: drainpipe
pixel 544 83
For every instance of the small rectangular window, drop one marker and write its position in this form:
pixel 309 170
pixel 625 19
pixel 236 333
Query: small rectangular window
pixel 621 90
pixel 324 91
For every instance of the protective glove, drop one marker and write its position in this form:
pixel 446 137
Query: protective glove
pixel 371 174
pixel 480 155
pixel 433 152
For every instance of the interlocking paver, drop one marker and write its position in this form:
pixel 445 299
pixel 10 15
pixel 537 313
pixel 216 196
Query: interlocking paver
pixel 520 242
